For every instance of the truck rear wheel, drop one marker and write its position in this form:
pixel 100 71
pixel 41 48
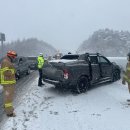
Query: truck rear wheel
pixel 28 71
pixel 82 85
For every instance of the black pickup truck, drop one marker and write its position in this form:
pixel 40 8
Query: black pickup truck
pixel 79 74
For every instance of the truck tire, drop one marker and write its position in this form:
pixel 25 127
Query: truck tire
pixel 116 75
pixel 28 71
pixel 82 85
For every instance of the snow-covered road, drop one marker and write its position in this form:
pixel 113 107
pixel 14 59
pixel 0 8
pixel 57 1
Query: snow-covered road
pixel 103 107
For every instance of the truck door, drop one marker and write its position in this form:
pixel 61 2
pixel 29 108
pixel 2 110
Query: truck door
pixel 20 64
pixel 95 70
pixel 24 64
pixel 105 66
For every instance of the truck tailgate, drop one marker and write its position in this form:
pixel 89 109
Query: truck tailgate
pixel 52 73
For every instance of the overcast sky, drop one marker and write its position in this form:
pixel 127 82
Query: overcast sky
pixel 63 23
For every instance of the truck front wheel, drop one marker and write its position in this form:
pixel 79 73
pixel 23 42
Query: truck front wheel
pixel 82 85
pixel 28 71
pixel 116 75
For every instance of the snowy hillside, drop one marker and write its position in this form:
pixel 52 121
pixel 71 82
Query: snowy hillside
pixel 107 42
pixel 30 47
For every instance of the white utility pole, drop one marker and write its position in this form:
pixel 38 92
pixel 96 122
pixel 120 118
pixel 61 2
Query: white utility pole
pixel 2 39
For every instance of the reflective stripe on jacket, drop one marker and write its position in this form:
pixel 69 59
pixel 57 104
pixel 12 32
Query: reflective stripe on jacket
pixel 8 105
pixel 7 72
pixel 3 78
pixel 40 60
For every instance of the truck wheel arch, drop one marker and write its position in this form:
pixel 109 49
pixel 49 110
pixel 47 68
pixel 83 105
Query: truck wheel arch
pixel 82 84
pixel 116 75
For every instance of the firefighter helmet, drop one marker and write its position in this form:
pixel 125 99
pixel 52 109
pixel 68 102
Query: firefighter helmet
pixel 12 54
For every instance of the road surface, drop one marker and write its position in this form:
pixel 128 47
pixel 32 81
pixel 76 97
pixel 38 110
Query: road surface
pixel 22 87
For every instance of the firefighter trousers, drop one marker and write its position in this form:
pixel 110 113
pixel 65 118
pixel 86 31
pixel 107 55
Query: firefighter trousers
pixel 40 77
pixel 8 98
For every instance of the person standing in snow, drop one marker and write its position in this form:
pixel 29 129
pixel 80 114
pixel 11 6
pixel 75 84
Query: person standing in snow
pixel 126 77
pixel 8 81
pixel 40 61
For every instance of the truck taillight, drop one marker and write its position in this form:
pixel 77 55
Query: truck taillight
pixel 65 74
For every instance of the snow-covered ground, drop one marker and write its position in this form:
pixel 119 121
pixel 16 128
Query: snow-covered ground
pixel 103 107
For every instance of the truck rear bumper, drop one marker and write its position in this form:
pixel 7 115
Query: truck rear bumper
pixel 62 84
pixel 54 82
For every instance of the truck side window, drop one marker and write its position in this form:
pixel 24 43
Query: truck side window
pixel 93 60
pixel 69 57
pixel 83 57
pixel 102 60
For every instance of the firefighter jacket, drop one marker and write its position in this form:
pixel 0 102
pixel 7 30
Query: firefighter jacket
pixel 127 73
pixel 40 60
pixel 7 72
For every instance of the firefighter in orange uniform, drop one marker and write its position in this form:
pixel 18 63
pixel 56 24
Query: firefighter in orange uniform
pixel 8 81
